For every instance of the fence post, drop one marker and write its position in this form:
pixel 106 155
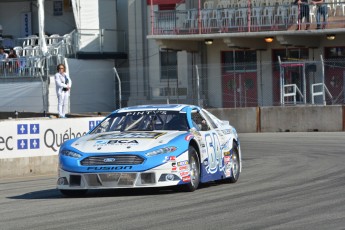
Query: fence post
pixel 197 85
pixel 119 80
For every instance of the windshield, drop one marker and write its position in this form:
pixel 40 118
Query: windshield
pixel 143 121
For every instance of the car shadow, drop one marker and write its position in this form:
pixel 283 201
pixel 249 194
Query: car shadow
pixel 123 192
pixel 55 193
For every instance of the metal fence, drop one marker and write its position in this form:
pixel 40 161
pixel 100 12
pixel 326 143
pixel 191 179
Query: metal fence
pixel 246 16
pixel 288 83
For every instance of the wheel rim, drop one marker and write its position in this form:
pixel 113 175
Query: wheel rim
pixel 194 174
pixel 235 165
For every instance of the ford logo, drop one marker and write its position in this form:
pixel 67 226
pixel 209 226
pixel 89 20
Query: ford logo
pixel 108 160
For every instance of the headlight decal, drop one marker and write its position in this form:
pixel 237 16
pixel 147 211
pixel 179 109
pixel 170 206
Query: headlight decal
pixel 168 149
pixel 69 153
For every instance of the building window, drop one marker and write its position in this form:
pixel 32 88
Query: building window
pixel 335 52
pixel 168 65
pixel 239 61
pixel 290 55
pixel 57 8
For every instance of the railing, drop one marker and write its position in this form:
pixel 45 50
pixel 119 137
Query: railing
pixel 32 62
pixel 320 92
pixel 23 66
pixel 291 90
pixel 31 58
pixel 247 18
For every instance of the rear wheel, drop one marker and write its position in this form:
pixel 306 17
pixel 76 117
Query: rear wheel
pixel 194 164
pixel 73 193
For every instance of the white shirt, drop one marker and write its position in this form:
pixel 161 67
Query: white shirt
pixel 3 56
pixel 60 82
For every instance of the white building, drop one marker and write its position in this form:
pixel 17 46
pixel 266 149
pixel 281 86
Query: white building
pixel 158 48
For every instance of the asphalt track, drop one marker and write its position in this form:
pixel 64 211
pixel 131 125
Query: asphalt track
pixel 289 181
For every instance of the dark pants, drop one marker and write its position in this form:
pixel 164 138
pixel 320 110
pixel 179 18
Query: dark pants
pixel 321 10
pixel 304 13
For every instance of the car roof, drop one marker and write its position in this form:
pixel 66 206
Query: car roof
pixel 170 107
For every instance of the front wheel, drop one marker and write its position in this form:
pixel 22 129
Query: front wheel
pixel 235 166
pixel 194 164
pixel 73 193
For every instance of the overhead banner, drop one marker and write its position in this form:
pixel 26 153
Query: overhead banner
pixel 40 137
pixel 26 28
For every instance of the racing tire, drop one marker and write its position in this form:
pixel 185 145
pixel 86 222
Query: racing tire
pixel 194 164
pixel 73 193
pixel 235 167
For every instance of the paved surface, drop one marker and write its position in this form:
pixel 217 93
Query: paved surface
pixel 289 181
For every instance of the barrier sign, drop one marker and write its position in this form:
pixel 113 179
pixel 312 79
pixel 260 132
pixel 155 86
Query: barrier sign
pixel 40 137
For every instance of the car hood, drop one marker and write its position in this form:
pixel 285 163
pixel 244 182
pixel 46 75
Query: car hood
pixel 124 141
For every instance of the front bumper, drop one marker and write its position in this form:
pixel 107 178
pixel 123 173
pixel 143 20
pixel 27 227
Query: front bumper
pixel 175 171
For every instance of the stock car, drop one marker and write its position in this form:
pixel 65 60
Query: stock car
pixel 145 146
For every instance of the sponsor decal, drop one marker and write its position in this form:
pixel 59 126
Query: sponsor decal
pixel 185 173
pixel 169 158
pixel 125 135
pixel 227 169
pixel 182 168
pixel 186 179
pixel 116 142
pixel 227 159
pixel 227 173
pixel 110 168
pixel 181 163
pixel 173 167
pixel 101 142
pixel 172 158
pixel 189 137
pixel 123 142
pixel 227 153
pixel 150 112
pixel 166 159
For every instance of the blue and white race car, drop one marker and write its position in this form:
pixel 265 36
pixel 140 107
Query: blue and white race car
pixel 151 146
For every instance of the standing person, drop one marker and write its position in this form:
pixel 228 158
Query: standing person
pixel 303 13
pixel 321 10
pixel 3 54
pixel 12 64
pixel 3 60
pixel 63 89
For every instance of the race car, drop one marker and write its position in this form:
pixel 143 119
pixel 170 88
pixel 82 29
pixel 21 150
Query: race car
pixel 151 146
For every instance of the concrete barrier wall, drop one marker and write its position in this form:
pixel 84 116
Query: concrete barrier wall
pixel 285 119
pixel 302 119
pixel 28 166
pixel 16 162
pixel 245 120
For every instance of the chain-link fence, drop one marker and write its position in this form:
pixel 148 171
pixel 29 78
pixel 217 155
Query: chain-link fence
pixel 249 84
pixel 235 85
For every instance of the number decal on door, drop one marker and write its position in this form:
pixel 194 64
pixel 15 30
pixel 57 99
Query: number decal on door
pixel 213 152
